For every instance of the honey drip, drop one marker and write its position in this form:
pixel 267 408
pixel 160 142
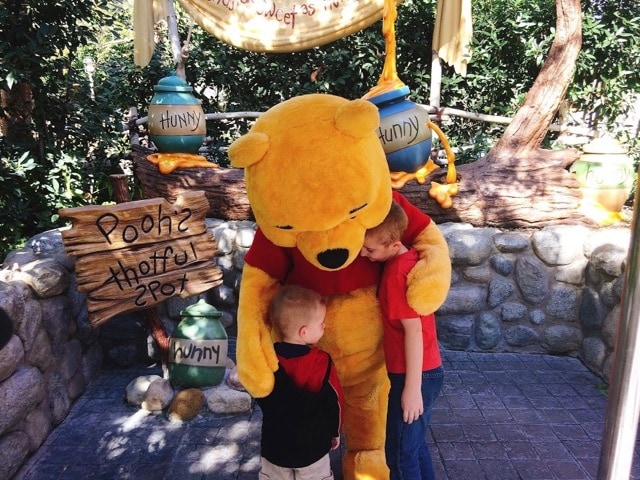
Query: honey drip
pixel 389 80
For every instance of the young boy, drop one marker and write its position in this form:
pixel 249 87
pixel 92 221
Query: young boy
pixel 302 416
pixel 411 352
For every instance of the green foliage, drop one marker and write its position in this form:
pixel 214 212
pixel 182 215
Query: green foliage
pixel 61 153
pixel 74 136
pixel 608 69
pixel 34 191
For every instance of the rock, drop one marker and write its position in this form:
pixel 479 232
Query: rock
pixel 158 396
pixel 594 352
pixel 470 247
pixel 500 289
pixel 521 336
pixel 60 401
pixel 225 400
pixel 14 448
pixel 455 331
pixel 47 278
pixel 564 303
pixel 18 394
pixel 487 331
pixel 186 404
pixel 11 356
pixel 136 389
pixel 532 279
pixel 562 339
pixel 511 242
pixel 559 245
pixel 512 312
pixel 49 244
pixel 17 258
pixel 233 380
pixel 37 426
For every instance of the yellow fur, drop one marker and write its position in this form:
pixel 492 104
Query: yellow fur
pixel 314 165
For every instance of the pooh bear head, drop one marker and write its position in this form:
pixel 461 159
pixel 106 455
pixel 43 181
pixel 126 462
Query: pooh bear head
pixel 316 176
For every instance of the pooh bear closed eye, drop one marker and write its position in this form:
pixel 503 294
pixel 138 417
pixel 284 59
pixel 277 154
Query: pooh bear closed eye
pixel 317 179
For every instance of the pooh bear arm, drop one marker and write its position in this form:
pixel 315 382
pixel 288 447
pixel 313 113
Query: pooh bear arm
pixel 256 357
pixel 418 220
pixel 429 281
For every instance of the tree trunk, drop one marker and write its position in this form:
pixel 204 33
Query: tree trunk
pixel 519 184
pixel 516 185
pixel 17 105
pixel 224 187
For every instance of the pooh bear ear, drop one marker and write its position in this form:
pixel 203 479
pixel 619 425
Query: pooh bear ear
pixel 248 149
pixel 358 118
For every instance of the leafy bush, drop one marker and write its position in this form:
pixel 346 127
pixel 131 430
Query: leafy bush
pixel 61 155
pixel 56 144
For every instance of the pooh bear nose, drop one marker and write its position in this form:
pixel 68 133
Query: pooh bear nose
pixel 333 258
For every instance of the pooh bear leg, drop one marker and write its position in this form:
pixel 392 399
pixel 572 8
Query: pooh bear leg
pixel 365 414
pixel 353 337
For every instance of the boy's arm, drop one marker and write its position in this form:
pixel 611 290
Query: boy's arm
pixel 411 399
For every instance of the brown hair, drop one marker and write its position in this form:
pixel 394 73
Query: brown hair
pixel 289 309
pixel 392 227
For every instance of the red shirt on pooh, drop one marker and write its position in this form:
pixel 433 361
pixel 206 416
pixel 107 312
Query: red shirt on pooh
pixel 289 266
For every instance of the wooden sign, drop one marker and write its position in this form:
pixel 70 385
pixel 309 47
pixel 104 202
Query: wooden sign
pixel 134 255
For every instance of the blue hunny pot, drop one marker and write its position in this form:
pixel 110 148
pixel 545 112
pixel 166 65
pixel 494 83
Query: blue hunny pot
pixel 403 130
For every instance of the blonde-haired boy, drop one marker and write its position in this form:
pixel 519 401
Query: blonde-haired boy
pixel 302 416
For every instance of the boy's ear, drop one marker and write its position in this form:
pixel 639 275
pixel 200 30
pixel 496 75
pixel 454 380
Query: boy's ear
pixel 302 331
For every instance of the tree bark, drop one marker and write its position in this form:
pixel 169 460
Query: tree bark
pixel 516 185
pixel 17 104
pixel 224 187
pixel 519 184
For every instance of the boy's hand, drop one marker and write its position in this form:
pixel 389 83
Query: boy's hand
pixel 412 406
pixel 335 443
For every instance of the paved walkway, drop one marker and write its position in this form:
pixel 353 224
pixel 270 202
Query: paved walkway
pixel 500 416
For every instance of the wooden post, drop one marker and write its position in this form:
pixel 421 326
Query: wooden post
pixel 158 332
pixel 174 36
pixel 436 80
pixel 120 187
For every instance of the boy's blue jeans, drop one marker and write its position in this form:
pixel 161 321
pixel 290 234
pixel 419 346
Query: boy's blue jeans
pixel 406 448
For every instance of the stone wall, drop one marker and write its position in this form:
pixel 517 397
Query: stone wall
pixel 555 290
pixel 54 353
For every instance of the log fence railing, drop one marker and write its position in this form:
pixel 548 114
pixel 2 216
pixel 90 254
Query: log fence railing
pixel 436 114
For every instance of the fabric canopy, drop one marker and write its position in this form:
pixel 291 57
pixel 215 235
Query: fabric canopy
pixel 282 25
pixel 145 14
pixel 294 25
pixel 452 33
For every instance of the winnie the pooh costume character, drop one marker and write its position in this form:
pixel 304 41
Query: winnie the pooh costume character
pixel 317 177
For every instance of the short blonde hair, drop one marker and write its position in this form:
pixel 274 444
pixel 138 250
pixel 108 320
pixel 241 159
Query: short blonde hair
pixel 290 307
pixel 392 227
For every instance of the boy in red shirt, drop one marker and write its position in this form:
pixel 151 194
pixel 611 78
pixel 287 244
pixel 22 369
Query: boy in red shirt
pixel 411 352
pixel 302 416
